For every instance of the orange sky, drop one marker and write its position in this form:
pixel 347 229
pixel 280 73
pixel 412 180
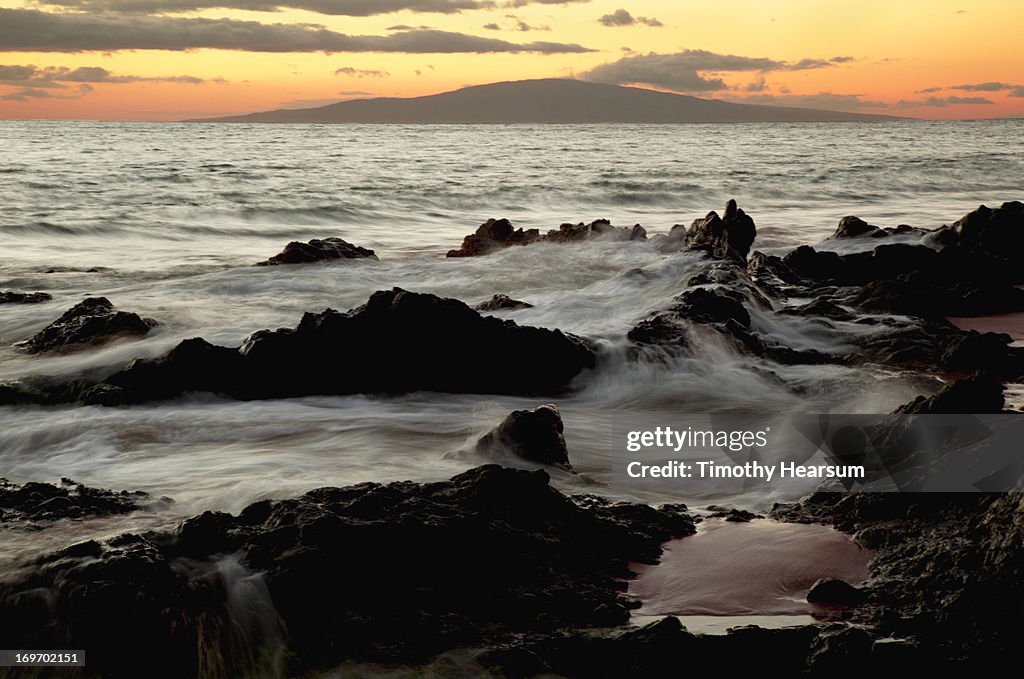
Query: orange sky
pixel 922 58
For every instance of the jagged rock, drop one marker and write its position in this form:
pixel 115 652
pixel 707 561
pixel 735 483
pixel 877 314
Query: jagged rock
pixel 497 234
pixel 397 342
pixel 30 504
pixel 318 250
pixel 502 303
pixel 24 297
pixel 494 234
pixel 976 394
pixel 535 435
pixel 997 233
pixel 729 236
pixel 478 560
pixel 94 320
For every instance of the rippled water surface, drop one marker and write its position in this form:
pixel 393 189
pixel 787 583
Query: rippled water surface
pixel 166 219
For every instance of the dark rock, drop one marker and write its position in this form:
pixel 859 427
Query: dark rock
pixel 997 233
pixel 973 351
pixel 535 435
pixel 855 227
pixel 834 592
pixel 92 321
pixel 318 250
pixel 24 297
pixel 810 264
pixel 502 303
pixel 977 394
pixel 391 573
pixel 494 234
pixel 732 514
pixel 729 236
pixel 397 342
pixel 33 505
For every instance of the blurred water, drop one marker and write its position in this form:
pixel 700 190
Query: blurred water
pixel 165 219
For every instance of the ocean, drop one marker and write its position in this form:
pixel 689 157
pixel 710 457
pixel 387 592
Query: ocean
pixel 167 219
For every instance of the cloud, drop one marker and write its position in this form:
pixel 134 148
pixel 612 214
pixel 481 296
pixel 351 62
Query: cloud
pixel 357 8
pixel 684 71
pixel 841 60
pixel 51 77
pixel 824 100
pixel 1017 91
pixel 983 87
pixel 492 26
pixel 30 93
pixel 361 72
pixel 355 93
pixel 621 17
pixel 516 25
pixel 23 30
pixel 943 102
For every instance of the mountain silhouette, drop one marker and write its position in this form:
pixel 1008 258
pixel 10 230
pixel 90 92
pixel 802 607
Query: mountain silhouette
pixel 546 101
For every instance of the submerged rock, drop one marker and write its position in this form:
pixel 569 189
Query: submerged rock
pixel 94 320
pixel 24 297
pixel 318 250
pixel 502 303
pixel 535 435
pixel 30 504
pixel 396 343
pixel 394 573
pixel 855 227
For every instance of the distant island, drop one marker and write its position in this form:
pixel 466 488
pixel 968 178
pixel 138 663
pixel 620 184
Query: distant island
pixel 546 101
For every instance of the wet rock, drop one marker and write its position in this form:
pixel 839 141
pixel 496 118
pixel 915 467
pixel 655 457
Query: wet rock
pixel 318 250
pixel 502 303
pixel 24 297
pixel 94 320
pixel 729 236
pixel 492 235
pixel 732 514
pixel 973 351
pixel 997 233
pixel 33 505
pixel 978 394
pixel 855 227
pixel 497 234
pixel 396 343
pixel 476 561
pixel 835 592
pixel 535 435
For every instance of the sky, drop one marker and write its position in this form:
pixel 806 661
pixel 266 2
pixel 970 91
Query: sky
pixel 175 59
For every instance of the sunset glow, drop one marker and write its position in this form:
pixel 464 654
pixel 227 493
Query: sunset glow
pixel 149 60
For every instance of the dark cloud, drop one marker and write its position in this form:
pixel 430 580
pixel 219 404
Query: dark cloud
pixel 621 17
pixel 492 26
pixel 31 93
pixel 361 72
pixel 1017 91
pixel 841 60
pixel 360 8
pixel 684 71
pixel 983 87
pixel 52 77
pixel 952 101
pixel 23 30
pixel 823 100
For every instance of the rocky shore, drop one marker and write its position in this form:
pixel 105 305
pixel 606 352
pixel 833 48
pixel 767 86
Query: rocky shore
pixel 497 565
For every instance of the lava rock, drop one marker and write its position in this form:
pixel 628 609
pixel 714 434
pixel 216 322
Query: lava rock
pixel 494 234
pixel 34 504
pixel 502 303
pixel 398 342
pixel 92 321
pixel 978 394
pixel 475 561
pixel 729 236
pixel 318 250
pixel 24 297
pixel 535 435
pixel 998 233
